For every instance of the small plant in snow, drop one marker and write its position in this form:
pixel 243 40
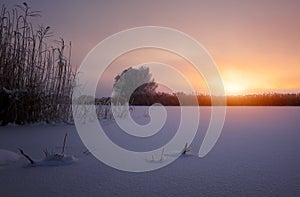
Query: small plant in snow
pixel 52 158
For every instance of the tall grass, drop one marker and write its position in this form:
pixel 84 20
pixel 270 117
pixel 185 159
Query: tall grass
pixel 37 74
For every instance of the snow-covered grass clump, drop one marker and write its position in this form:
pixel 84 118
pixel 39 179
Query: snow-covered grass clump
pixel 54 160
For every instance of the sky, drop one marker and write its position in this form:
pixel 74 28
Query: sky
pixel 255 44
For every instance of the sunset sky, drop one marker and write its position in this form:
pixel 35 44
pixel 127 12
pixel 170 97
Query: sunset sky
pixel 255 44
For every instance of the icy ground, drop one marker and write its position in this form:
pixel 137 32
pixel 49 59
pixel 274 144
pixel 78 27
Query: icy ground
pixel 257 154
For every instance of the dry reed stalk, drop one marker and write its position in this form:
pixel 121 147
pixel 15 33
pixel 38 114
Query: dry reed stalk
pixel 38 75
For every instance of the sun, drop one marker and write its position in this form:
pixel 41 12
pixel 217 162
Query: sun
pixel 233 88
pixel 235 82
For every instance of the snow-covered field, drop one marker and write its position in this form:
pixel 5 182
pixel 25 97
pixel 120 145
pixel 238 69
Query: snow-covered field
pixel 257 154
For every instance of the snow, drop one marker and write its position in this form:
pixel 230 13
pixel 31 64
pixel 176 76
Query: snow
pixel 15 91
pixel 7 157
pixel 257 154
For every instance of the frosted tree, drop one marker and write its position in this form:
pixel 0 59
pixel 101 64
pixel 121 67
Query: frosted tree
pixel 132 82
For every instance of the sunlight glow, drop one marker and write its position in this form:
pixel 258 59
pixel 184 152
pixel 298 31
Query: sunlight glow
pixel 233 89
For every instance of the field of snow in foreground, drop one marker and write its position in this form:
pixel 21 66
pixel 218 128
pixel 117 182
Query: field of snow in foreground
pixel 257 154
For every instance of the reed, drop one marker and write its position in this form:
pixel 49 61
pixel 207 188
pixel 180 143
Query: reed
pixel 34 72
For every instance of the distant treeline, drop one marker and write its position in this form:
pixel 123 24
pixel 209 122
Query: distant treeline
pixel 265 100
pixel 274 99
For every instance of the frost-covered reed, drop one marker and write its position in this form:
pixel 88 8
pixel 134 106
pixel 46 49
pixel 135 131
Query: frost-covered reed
pixel 35 73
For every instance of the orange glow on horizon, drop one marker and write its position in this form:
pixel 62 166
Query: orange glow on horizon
pixel 239 75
